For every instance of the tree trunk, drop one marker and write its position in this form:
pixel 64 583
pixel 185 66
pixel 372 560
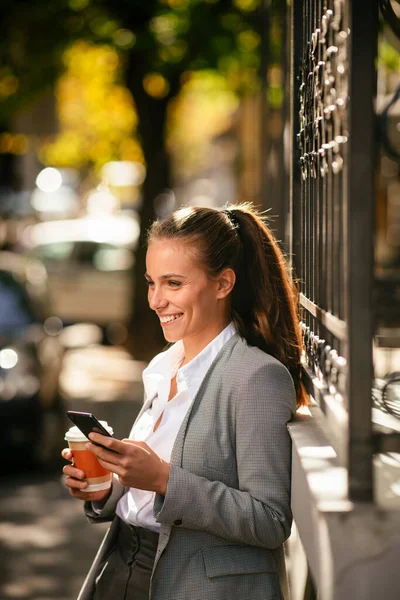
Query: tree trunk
pixel 146 338
pixel 8 173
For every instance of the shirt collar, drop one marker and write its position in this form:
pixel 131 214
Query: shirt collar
pixel 165 364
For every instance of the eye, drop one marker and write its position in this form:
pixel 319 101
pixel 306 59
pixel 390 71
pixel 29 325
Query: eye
pixel 173 283
pixel 149 282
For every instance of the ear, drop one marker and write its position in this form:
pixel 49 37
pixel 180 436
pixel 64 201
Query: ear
pixel 226 281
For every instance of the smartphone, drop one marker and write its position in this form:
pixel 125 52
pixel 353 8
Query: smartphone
pixel 87 422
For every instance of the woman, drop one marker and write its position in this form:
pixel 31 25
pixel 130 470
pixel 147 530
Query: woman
pixel 200 500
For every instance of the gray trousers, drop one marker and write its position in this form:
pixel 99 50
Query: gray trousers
pixel 127 569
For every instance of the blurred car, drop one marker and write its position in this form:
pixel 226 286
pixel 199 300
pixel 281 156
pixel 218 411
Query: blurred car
pixel 89 263
pixel 32 418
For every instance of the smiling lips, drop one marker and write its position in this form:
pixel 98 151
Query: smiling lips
pixel 169 318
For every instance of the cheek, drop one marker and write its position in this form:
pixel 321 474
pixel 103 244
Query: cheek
pixel 205 301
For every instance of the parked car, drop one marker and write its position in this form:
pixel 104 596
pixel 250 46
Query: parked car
pixel 89 263
pixel 32 419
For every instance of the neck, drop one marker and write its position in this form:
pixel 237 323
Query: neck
pixel 194 345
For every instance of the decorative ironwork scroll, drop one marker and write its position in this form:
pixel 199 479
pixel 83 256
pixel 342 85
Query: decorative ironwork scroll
pixel 324 96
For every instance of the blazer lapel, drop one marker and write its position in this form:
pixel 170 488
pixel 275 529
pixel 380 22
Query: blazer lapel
pixel 177 450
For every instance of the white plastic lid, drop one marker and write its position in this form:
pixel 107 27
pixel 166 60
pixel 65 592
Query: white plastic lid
pixel 75 435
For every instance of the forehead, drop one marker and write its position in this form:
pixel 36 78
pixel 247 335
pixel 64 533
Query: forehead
pixel 173 256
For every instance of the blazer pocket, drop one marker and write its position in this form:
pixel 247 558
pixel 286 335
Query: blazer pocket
pixel 223 469
pixel 237 560
pixel 220 473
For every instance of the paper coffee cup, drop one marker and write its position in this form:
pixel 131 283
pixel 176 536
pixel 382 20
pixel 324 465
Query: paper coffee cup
pixel 97 477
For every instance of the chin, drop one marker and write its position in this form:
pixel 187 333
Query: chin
pixel 173 334
pixel 170 337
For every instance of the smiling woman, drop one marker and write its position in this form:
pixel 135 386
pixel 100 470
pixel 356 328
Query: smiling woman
pixel 200 500
pixel 191 306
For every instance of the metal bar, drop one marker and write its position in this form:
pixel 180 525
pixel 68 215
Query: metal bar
pixel 305 257
pixel 264 143
pixel 295 175
pixel 387 337
pixel 324 244
pixel 345 198
pixel 360 258
pixel 386 442
pixel 306 183
pixel 337 327
pixel 315 391
pixel 336 274
pixel 311 200
pixel 284 146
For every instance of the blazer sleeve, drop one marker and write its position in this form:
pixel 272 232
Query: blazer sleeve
pixel 105 511
pixel 258 512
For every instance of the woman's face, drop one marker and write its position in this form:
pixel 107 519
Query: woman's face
pixel 191 307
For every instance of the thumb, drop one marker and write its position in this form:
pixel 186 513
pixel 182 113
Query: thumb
pixel 66 453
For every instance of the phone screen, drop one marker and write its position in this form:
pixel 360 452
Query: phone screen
pixel 87 423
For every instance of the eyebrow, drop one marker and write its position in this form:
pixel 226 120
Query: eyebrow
pixel 167 276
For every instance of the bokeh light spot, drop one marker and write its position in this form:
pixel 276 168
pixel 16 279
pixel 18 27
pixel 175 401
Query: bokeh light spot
pixel 49 180
pixel 155 85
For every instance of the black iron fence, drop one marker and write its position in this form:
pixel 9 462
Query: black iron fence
pixel 333 205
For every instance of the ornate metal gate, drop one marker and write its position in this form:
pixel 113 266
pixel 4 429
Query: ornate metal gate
pixel 337 136
pixel 333 209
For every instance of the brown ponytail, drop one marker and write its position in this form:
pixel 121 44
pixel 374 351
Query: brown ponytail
pixel 264 301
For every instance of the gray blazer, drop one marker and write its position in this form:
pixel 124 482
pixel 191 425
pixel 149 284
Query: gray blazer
pixel 226 512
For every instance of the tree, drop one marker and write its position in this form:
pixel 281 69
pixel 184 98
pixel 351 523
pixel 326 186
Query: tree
pixel 161 42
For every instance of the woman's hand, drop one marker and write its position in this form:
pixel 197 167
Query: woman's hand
pixel 135 463
pixel 76 485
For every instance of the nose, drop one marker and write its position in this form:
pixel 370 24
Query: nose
pixel 156 298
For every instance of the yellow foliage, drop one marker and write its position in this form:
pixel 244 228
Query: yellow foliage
pixel 8 85
pixel 11 143
pixel 175 3
pixel 247 5
pixel 203 109
pixel 96 113
pixel 68 150
pixel 131 150
pixel 155 85
pixel 78 4
pixel 248 40
pixel 125 38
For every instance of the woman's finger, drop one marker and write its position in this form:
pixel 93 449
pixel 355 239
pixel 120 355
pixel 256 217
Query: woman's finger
pixel 92 496
pixel 105 456
pixel 107 442
pixel 81 495
pixel 75 484
pixel 113 468
pixel 73 472
pixel 67 454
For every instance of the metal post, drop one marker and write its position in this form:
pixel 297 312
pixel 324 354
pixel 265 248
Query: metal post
pixel 360 258
pixel 295 175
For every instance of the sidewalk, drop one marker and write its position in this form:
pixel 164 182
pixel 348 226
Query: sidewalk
pixel 46 544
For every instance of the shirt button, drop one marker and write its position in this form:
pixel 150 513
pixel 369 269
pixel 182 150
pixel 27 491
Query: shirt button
pixel 178 522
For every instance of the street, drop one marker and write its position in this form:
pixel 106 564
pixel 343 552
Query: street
pixel 46 544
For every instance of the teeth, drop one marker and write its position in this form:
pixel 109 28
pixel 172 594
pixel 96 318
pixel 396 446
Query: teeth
pixel 169 318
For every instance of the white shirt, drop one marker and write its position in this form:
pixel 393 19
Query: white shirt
pixel 136 506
